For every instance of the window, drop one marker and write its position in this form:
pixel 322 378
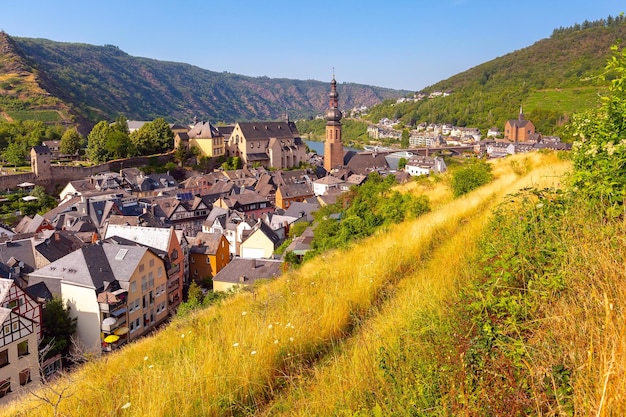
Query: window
pixel 133 286
pixel 193 260
pixel 4 358
pixel 15 326
pixel 11 304
pixel 150 280
pixel 22 348
pixel 141 268
pixel 25 376
pixel 144 284
pixel 151 263
pixel 208 261
pixel 7 329
pixel 160 272
pixel 5 387
pixel 174 255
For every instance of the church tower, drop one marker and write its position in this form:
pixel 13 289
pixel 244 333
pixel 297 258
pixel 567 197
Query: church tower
pixel 333 148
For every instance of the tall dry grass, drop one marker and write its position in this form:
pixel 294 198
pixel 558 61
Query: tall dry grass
pixel 234 358
pixel 393 365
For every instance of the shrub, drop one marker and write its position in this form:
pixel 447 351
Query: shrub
pixel 470 177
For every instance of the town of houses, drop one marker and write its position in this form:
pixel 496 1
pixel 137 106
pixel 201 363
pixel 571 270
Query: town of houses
pixel 121 247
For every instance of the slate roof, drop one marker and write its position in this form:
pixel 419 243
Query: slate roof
pixel 298 209
pixel 94 266
pixel 153 237
pixel 250 269
pixel 206 243
pixel 56 244
pixel 42 149
pixel 267 130
pixel 20 250
pixel 365 162
pixel 203 130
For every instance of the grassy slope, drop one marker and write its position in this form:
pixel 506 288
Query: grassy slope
pixel 302 343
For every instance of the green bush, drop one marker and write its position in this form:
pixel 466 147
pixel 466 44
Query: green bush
pixel 470 177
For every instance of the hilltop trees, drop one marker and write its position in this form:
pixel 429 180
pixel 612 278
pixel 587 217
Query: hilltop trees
pixel 153 137
pixel 110 141
pixel 71 142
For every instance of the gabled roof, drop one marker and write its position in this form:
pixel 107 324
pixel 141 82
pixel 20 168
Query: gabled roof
pixel 206 243
pixel 57 244
pixel 246 271
pixel 295 190
pixel 267 130
pixel 365 162
pixel 18 249
pixel 265 229
pixel 94 266
pixel 203 130
pixel 41 149
pixel 153 237
pixel 298 209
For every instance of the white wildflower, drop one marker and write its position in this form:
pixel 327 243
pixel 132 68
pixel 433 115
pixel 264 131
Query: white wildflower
pixel 243 313
pixel 145 358
pixel 253 352
pixel 269 326
pixel 235 344
pixel 125 406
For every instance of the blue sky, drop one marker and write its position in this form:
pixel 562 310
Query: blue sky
pixel 398 44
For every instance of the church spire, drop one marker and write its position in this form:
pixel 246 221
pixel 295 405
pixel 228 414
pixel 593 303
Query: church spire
pixel 521 113
pixel 333 147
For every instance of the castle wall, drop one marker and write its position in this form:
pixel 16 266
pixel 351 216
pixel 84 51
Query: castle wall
pixel 60 175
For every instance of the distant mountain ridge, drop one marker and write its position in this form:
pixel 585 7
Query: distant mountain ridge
pixel 93 83
pixel 552 79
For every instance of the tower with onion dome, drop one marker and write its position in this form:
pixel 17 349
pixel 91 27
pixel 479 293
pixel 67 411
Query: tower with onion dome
pixel 333 148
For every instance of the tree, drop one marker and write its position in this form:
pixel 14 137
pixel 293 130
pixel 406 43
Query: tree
pixel 96 142
pixel 402 163
pixel 404 142
pixel 181 154
pixel 153 137
pixel 71 142
pixel 470 177
pixel 57 327
pixel 14 154
pixel 118 144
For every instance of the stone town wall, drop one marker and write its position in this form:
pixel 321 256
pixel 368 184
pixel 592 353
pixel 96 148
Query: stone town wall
pixel 60 175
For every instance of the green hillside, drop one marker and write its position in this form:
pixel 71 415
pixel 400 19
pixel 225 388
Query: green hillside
pixel 101 82
pixel 552 79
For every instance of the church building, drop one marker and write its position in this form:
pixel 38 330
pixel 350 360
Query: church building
pixel 520 129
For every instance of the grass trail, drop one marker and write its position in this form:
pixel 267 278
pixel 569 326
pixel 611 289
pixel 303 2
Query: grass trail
pixel 387 367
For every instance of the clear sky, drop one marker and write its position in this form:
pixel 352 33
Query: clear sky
pixel 400 44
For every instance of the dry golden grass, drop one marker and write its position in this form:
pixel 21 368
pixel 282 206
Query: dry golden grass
pixel 351 380
pixel 236 357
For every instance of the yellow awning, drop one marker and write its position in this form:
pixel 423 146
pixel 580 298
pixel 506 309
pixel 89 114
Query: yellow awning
pixel 121 331
pixel 112 338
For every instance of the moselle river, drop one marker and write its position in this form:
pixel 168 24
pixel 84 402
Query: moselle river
pixel 318 147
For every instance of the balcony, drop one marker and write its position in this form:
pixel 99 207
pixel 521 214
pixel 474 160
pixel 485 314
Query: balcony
pixel 110 302
pixel 115 321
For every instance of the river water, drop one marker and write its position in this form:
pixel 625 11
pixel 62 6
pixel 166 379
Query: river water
pixel 318 147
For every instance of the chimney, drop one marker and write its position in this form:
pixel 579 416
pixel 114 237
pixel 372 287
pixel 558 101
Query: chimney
pixel 242 279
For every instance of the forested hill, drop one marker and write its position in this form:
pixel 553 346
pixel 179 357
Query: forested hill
pixel 552 79
pixel 98 82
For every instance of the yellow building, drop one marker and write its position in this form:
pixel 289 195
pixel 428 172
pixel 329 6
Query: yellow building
pixel 206 138
pixel 116 292
pixel 209 254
